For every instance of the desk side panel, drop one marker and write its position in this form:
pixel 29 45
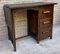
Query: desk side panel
pixel 10 25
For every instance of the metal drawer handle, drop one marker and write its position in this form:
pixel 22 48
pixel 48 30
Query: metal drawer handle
pixel 46 22
pixel 46 12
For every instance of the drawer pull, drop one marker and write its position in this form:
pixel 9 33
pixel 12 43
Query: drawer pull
pixel 45 32
pixel 46 22
pixel 46 12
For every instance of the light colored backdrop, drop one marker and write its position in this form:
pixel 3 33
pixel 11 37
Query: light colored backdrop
pixel 20 18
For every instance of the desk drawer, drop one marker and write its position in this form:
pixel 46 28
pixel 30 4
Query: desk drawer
pixel 46 11
pixel 45 23
pixel 45 32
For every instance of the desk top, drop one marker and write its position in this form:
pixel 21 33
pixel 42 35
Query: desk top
pixel 23 5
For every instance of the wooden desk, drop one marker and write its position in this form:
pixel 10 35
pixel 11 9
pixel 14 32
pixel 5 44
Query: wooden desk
pixel 40 20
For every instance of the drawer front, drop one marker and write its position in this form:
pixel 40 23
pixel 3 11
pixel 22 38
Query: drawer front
pixel 45 32
pixel 45 23
pixel 46 12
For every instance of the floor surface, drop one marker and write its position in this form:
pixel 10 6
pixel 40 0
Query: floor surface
pixel 28 45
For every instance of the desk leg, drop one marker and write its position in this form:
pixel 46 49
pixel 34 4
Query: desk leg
pixel 14 46
pixel 51 37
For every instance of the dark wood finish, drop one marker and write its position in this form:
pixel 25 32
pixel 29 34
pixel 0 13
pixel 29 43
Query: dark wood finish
pixel 45 21
pixel 40 20
pixel 10 26
pixel 27 5
pixel 32 16
pixel 46 11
